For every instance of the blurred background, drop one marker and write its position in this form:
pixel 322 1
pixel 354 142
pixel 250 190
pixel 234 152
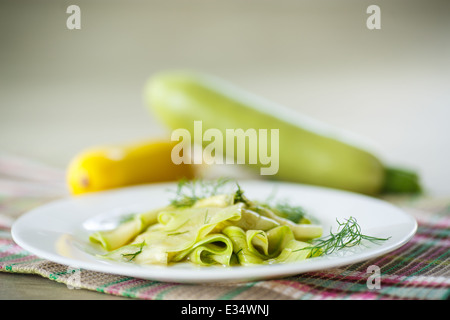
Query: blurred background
pixel 64 90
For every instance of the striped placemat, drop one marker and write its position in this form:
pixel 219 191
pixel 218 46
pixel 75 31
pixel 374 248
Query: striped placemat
pixel 418 270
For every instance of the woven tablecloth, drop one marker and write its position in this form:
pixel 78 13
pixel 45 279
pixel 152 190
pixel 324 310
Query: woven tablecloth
pixel 418 270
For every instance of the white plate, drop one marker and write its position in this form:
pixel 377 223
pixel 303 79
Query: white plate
pixel 59 230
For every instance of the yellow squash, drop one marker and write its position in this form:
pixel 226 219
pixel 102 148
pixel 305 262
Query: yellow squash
pixel 106 167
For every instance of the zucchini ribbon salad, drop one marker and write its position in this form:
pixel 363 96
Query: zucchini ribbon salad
pixel 205 226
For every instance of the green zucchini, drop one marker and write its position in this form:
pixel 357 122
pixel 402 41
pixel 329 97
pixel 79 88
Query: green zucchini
pixel 309 152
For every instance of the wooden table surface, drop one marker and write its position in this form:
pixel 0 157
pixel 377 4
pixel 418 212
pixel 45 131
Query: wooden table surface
pixel 34 287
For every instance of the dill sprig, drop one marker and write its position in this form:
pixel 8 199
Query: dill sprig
pixel 190 191
pixel 131 256
pixel 288 211
pixel 239 196
pixel 207 219
pixel 348 235
pixel 126 218
pixel 177 233
pixel 291 212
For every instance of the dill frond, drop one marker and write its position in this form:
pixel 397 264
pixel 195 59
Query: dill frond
pixel 348 235
pixel 188 192
pixel 292 212
pixel 239 196
pixel 131 256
